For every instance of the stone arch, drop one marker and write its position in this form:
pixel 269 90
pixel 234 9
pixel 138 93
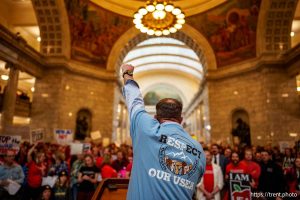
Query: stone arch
pixel 190 36
pixel 53 22
pixel 274 26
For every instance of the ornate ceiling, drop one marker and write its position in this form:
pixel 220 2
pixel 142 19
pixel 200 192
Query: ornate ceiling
pixel 93 27
pixel 230 28
pixel 128 7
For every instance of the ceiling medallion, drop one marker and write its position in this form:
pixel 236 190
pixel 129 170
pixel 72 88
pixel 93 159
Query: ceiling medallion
pixel 159 18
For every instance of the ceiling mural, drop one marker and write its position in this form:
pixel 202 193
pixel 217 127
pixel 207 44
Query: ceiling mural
pixel 230 29
pixel 160 92
pixel 93 30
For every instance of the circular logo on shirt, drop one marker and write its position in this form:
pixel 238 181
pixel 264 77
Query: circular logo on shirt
pixel 178 155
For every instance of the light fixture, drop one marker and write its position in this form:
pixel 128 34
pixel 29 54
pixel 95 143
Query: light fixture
pixel 32 89
pixel 4 77
pixel 39 39
pixel 293 134
pixel 292 34
pixel 159 17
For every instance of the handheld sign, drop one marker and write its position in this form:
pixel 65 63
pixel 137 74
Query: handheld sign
pixel 37 135
pixel 63 136
pixel 80 148
pixel 8 142
pixel 240 188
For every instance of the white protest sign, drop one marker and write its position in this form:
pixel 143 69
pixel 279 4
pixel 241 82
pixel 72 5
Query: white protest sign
pixel 63 136
pixel 8 142
pixel 76 148
pixel 36 135
pixel 95 135
pixel 79 148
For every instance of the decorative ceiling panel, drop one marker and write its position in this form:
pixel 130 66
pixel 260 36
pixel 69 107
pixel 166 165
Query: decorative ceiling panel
pixel 230 29
pixel 129 7
pixel 94 30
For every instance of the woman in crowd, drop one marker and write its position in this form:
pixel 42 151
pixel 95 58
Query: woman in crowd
pixel 36 170
pixel 121 162
pixel 78 163
pixel 62 188
pixel 106 169
pixel 46 193
pixel 212 181
pixel 293 177
pixel 87 178
pixel 59 165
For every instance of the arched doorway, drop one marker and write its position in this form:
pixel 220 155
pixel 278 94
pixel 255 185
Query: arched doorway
pixel 240 128
pixel 83 124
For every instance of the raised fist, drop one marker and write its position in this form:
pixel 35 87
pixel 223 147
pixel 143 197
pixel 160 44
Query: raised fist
pixel 127 67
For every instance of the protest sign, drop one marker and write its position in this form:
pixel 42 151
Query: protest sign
pixel 240 188
pixel 36 135
pixel 80 148
pixel 63 136
pixel 86 147
pixel 95 135
pixel 8 142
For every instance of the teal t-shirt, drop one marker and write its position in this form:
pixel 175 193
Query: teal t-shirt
pixel 167 162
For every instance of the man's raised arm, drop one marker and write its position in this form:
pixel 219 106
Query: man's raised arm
pixel 131 91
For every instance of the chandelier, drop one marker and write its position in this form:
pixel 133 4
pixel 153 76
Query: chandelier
pixel 159 18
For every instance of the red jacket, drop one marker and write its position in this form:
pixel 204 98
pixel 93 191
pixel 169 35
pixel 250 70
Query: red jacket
pixel 108 172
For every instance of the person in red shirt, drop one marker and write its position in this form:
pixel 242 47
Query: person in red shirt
pixel 252 168
pixel 36 170
pixel 211 182
pixel 106 169
pixel 235 166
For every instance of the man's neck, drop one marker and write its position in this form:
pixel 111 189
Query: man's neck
pixel 168 120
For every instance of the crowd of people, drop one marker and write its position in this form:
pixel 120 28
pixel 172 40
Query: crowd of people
pixel 271 171
pixel 74 177
pixel 77 176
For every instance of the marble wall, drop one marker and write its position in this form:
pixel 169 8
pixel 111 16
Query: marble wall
pixel 59 95
pixel 268 95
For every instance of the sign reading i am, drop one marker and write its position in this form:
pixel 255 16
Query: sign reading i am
pixel 240 188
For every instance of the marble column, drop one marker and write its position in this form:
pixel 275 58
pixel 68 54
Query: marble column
pixel 9 102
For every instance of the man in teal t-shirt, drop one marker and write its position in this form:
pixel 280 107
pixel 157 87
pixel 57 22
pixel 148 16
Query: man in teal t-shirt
pixel 167 162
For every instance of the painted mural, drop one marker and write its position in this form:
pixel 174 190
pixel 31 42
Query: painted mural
pixel 93 30
pixel 230 29
pixel 158 93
